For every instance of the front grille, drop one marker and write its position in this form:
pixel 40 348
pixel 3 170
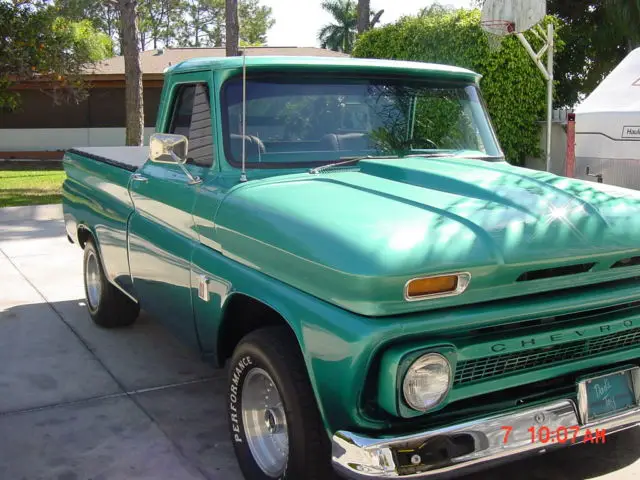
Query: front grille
pixel 468 371
pixel 555 272
pixel 627 262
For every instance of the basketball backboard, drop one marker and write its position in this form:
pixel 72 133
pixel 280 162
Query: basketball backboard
pixel 521 15
pixel 514 17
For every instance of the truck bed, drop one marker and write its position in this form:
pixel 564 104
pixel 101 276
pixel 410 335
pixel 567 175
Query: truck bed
pixel 128 158
pixel 96 198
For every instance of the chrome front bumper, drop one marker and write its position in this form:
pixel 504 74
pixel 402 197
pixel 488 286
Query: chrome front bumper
pixel 360 457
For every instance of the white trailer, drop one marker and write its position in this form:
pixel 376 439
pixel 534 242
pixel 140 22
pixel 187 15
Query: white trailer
pixel 607 128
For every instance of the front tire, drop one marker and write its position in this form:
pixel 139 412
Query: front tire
pixel 107 305
pixel 274 422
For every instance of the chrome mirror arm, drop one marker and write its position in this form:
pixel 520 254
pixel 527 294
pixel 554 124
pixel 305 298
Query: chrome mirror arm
pixel 180 161
pixel 192 180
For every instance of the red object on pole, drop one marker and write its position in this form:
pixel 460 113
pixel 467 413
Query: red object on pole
pixel 570 160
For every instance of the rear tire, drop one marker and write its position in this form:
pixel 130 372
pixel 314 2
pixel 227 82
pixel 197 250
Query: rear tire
pixel 274 421
pixel 107 305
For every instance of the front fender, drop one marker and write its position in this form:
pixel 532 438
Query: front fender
pixel 336 345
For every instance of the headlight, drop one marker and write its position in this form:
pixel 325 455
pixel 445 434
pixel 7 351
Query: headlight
pixel 427 381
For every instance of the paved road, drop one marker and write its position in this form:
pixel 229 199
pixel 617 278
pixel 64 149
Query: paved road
pixel 78 402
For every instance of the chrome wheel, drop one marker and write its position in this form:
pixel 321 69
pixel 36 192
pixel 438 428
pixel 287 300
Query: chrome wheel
pixel 265 422
pixel 92 280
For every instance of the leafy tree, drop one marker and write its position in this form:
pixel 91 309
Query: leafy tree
pixel 255 21
pixel 102 14
pixel 513 88
pixel 341 36
pixel 586 38
pixel 593 47
pixel 38 44
pixel 624 16
pixel 184 23
pixel 435 9
pixel 86 42
pixel 173 20
pixel 202 24
pixel 157 19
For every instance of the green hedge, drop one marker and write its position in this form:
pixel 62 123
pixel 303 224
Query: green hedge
pixel 512 85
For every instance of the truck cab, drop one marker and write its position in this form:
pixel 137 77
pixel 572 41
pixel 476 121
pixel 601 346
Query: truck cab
pixel 385 290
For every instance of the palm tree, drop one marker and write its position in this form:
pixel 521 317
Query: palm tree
pixel 341 35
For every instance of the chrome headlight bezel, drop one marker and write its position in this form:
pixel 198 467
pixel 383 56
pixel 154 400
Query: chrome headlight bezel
pixel 421 362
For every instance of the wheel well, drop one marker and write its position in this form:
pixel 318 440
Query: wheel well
pixel 84 234
pixel 241 316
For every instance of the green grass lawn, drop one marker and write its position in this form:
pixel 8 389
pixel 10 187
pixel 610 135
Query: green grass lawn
pixel 32 186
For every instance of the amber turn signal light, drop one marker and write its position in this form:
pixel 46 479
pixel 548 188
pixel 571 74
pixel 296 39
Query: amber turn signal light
pixel 437 286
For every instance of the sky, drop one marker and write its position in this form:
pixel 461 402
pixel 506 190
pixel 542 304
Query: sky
pixel 298 21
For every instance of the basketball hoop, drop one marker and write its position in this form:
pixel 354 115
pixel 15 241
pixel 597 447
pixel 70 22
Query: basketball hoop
pixel 499 27
pixel 496 31
pixel 500 18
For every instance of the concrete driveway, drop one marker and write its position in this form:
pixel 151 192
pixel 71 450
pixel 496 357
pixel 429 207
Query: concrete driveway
pixel 80 402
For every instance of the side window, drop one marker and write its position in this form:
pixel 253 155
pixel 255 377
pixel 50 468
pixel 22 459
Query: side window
pixel 192 118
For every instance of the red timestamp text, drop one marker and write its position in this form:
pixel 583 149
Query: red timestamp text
pixel 559 435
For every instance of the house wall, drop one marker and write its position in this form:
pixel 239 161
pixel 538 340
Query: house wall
pixel 558 149
pixel 39 124
pixel 34 139
pixel 558 144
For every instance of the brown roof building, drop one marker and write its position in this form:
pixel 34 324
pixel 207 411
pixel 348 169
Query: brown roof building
pixel 42 129
pixel 155 61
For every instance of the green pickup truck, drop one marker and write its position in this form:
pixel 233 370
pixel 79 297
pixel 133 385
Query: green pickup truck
pixel 391 298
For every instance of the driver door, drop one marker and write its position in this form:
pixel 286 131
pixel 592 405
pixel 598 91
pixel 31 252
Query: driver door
pixel 162 232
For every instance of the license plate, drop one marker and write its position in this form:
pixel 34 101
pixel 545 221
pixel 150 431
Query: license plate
pixel 608 394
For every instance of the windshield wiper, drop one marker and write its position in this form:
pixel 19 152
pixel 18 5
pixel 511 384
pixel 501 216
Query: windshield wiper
pixel 347 161
pixel 430 155
pixel 485 157
pixel 456 155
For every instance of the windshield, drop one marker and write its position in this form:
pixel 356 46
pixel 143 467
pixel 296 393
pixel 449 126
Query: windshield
pixel 320 120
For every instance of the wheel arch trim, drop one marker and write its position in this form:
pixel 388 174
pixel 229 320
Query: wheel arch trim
pixel 329 338
pixel 94 238
pixel 288 316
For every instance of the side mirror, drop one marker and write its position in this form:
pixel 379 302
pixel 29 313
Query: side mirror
pixel 171 148
pixel 168 148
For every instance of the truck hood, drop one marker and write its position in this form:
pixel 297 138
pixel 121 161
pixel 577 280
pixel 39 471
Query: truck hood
pixel 354 238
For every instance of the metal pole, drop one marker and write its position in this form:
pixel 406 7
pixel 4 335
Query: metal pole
pixel 243 173
pixel 534 56
pixel 570 162
pixel 549 92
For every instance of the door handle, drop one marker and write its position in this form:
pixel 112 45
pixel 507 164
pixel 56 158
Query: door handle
pixel 136 177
